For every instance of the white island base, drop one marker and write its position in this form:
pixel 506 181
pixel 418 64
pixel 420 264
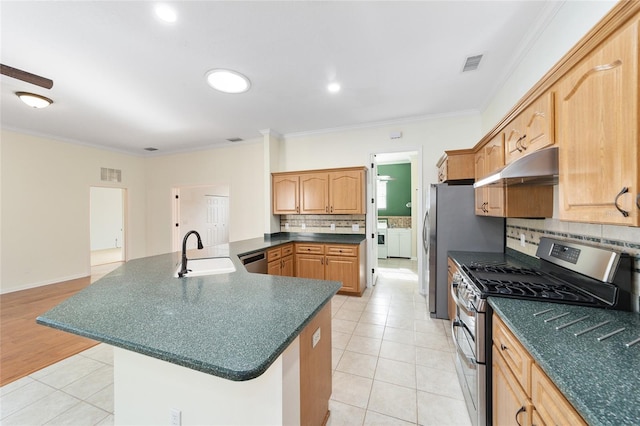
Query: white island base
pixel 148 391
pixel 294 390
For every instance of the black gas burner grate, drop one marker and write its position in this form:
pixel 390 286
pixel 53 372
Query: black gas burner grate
pixel 520 289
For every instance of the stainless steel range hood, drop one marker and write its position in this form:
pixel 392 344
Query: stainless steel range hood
pixel 538 168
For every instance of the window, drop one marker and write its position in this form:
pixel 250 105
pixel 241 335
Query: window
pixel 382 194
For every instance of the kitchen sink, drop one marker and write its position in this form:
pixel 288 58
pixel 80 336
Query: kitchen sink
pixel 209 266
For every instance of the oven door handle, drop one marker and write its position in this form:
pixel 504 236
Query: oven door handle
pixel 454 296
pixel 470 362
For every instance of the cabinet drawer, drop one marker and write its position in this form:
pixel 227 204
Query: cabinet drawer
pixel 551 406
pixel 514 354
pixel 274 254
pixel 287 250
pixel 342 250
pixel 310 248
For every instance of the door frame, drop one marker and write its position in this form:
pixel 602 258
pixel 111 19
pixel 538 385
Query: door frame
pixel 125 220
pixel 372 213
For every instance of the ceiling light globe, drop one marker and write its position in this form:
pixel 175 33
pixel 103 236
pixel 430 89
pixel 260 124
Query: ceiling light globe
pixel 333 87
pixel 33 100
pixel 228 81
pixel 166 13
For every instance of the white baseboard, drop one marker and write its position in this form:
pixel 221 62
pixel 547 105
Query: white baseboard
pixel 43 283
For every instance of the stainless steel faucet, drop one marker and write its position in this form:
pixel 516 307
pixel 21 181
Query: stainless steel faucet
pixel 184 269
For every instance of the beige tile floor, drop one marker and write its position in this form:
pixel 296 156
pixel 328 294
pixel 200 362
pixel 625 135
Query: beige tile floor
pixel 393 365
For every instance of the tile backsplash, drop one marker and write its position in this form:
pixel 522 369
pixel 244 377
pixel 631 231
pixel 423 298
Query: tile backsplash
pixel 321 223
pixel 620 238
pixel 397 221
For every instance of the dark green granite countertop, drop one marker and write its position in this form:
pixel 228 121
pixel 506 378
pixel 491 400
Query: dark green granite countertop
pixel 601 379
pixel 229 325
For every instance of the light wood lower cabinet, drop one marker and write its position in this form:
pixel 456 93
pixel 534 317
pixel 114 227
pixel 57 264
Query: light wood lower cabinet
pixel 451 304
pixel 336 262
pixel 280 260
pixel 522 392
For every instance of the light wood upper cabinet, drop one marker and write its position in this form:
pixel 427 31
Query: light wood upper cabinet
pixel 314 193
pixel 346 192
pixel 285 191
pixel 456 165
pixel 490 199
pixel 533 129
pixel 334 191
pixel 598 134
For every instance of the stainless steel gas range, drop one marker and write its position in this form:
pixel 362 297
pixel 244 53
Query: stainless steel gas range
pixel 566 272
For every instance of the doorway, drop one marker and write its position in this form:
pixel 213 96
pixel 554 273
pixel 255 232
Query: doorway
pixel 107 225
pixel 396 208
pixel 204 209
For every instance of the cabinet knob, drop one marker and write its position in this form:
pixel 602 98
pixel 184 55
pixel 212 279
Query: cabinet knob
pixel 638 201
pixel 503 347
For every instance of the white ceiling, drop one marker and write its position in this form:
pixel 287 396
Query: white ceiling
pixel 126 81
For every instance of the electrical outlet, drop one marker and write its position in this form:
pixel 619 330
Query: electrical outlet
pixel 176 417
pixel 333 226
pixel 315 338
pixel 286 226
pixel 303 226
pixel 523 241
pixel 355 227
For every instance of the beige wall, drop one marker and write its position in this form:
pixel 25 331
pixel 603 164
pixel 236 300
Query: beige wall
pixel 353 147
pixel 241 167
pixel 45 208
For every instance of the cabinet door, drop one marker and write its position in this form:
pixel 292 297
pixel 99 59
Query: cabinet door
pixel 551 406
pixel 493 161
pixel 346 192
pixel 451 305
pixel 285 194
pixel 510 403
pixel 598 134
pixel 514 133
pixel 314 193
pixel 310 266
pixel 481 193
pixel 287 266
pixel 274 268
pixel 539 124
pixel 344 269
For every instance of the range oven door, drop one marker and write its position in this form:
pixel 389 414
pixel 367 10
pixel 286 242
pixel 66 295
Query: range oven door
pixel 467 369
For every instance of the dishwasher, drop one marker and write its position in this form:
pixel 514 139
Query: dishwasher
pixel 255 262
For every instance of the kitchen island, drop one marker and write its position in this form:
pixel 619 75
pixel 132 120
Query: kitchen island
pixel 223 349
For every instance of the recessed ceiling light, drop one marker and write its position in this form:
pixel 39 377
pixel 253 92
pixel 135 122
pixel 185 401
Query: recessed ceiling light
pixel 333 87
pixel 33 100
pixel 166 13
pixel 228 81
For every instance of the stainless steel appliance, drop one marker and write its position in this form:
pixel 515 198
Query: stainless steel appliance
pixel 255 262
pixel 567 272
pixel 451 224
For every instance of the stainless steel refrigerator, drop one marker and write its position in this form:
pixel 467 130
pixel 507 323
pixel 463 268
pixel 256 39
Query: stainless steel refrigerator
pixel 450 224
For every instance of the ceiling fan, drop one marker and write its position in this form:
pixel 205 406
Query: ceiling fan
pixel 26 76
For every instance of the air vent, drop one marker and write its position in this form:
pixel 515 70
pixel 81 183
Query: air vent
pixel 235 139
pixel 472 63
pixel 151 149
pixel 110 175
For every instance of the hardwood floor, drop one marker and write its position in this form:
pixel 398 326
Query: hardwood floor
pixel 25 346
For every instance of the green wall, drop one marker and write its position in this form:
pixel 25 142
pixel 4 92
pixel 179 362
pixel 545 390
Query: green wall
pixel 398 190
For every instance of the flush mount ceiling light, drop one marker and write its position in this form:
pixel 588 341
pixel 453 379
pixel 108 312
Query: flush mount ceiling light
pixel 33 100
pixel 166 13
pixel 228 81
pixel 333 87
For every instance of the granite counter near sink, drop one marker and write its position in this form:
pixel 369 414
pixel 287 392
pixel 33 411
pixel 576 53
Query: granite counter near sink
pixel 601 379
pixel 229 325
